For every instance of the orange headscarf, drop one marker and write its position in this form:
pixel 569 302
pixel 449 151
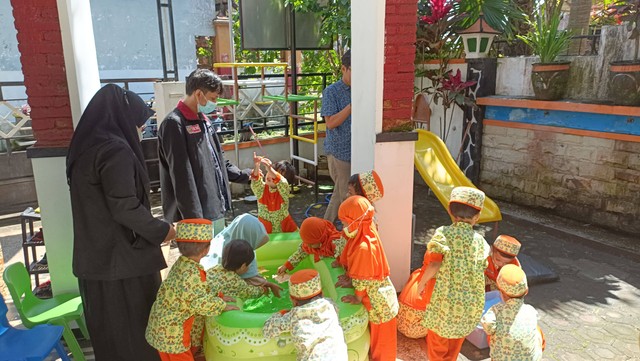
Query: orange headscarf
pixel 314 230
pixel 363 256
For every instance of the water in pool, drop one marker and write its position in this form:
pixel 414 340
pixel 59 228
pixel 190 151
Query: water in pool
pixel 269 303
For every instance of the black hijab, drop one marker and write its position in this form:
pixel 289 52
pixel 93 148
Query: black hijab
pixel 112 113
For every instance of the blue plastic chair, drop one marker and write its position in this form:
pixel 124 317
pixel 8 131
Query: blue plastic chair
pixel 58 310
pixel 28 345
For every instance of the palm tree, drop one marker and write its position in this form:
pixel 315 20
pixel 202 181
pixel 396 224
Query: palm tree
pixel 502 15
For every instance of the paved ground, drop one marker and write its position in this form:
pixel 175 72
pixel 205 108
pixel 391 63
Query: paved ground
pixel 591 313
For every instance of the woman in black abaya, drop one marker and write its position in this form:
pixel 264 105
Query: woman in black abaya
pixel 116 253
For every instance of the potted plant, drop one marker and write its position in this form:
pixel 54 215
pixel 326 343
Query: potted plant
pixel 624 83
pixel 549 77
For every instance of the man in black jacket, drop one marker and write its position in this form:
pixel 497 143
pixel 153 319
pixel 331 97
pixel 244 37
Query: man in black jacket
pixel 194 176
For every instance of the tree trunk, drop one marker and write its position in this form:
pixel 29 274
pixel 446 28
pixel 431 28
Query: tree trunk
pixel 579 17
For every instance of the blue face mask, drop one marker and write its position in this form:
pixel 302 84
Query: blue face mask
pixel 207 108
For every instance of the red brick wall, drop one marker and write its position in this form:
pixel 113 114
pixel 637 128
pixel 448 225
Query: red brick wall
pixel 399 52
pixel 41 55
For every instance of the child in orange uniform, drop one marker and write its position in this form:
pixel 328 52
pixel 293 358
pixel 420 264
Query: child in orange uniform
pixel 455 276
pixel 273 194
pixel 503 252
pixel 368 271
pixel 366 184
pixel 184 297
pixel 319 238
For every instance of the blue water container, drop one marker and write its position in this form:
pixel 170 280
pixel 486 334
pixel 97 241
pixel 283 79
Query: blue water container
pixel 478 337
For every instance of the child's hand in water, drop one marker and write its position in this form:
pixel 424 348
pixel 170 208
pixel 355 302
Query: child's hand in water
pixel 352 299
pixel 231 308
pixel 275 289
pixel 344 281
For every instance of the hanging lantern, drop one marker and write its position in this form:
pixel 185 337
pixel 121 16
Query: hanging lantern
pixel 477 38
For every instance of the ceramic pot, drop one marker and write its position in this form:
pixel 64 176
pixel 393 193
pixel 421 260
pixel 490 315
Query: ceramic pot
pixel 550 80
pixel 624 83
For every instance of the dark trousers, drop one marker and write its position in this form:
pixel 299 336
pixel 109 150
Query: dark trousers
pixel 117 313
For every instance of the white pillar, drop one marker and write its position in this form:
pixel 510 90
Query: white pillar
pixel 49 165
pixel 394 164
pixel 57 223
pixel 392 158
pixel 367 77
pixel 80 59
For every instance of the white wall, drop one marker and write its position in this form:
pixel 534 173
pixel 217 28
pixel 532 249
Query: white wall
pixel 589 74
pixel 454 137
pixel 127 40
pixel 275 152
pixel 513 76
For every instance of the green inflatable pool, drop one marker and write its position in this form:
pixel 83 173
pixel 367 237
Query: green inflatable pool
pixel 237 335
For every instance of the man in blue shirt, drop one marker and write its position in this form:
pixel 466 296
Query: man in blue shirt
pixel 336 110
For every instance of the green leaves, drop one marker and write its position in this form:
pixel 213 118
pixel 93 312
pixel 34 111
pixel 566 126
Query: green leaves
pixel 544 38
pixel 499 14
pixel 336 18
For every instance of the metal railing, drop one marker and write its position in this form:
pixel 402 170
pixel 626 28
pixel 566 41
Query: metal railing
pixel 316 84
pixel 588 44
pixel 126 84
pixel 584 44
pixel 17 126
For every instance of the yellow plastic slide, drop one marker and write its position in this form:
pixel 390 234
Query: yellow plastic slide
pixel 442 174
